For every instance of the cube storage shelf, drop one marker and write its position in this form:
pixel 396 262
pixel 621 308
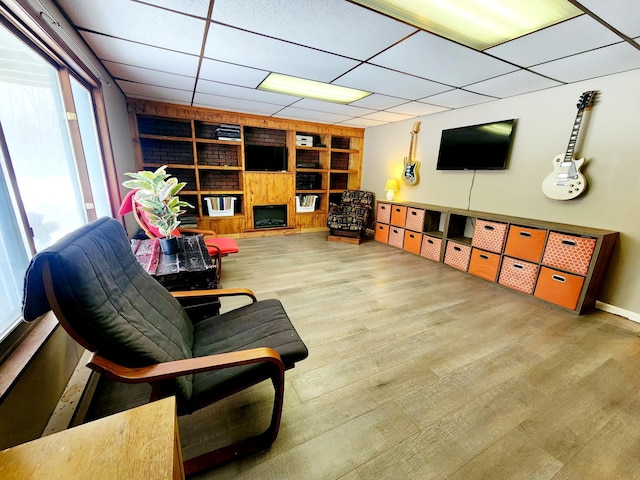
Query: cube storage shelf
pixel 558 263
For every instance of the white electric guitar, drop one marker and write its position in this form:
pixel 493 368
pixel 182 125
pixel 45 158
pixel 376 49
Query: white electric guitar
pixel 566 181
pixel 410 174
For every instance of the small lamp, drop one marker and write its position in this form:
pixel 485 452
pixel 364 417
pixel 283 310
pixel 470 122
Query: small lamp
pixel 391 187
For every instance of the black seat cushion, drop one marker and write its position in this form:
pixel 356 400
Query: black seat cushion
pixel 260 324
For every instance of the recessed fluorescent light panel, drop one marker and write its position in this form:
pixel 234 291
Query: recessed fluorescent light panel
pixel 479 24
pixel 300 87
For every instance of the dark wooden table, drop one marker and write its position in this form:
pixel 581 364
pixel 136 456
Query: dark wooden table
pixel 189 269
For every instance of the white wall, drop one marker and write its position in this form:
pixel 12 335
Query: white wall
pixel 609 140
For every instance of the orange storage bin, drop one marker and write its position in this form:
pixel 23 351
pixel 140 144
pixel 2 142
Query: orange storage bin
pixel 384 213
pixel 412 241
pixel 558 287
pixel 484 264
pixel 415 219
pixel 398 215
pixel 382 232
pixel 568 252
pixel 396 237
pixel 525 243
pixel 518 275
pixel 457 255
pixel 431 247
pixel 489 235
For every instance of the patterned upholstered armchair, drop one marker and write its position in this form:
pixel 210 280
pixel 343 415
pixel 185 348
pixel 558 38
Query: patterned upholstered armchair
pixel 349 220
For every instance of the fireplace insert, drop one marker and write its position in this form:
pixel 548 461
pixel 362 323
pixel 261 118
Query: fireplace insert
pixel 269 216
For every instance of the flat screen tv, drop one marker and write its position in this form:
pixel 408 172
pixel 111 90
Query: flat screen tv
pixel 476 147
pixel 265 158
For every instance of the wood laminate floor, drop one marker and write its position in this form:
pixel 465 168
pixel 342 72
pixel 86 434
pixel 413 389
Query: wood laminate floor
pixel 419 371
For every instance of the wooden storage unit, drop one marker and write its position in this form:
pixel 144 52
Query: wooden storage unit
pixel 561 264
pixel 196 145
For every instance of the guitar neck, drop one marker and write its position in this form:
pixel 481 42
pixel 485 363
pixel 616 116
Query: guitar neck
pixel 573 139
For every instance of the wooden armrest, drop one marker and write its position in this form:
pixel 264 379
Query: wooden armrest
pixel 178 368
pixel 211 233
pixel 219 292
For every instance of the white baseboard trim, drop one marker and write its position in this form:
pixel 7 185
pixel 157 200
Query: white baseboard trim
pixel 605 307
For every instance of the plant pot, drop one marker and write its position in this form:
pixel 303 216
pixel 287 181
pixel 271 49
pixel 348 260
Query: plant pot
pixel 169 245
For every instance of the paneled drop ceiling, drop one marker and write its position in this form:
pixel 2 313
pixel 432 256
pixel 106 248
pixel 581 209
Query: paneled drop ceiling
pixel 214 53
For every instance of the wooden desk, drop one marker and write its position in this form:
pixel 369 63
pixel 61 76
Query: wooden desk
pixel 141 443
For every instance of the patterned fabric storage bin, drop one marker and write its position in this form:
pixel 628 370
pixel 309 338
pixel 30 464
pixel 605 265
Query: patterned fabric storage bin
pixel 568 252
pixel 484 264
pixel 396 237
pixel 382 232
pixel 457 255
pixel 431 247
pixel 398 215
pixel 415 219
pixel 384 213
pixel 412 241
pixel 558 287
pixel 526 243
pixel 518 275
pixel 489 235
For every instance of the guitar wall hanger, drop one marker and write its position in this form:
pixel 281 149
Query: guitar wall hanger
pixel 566 181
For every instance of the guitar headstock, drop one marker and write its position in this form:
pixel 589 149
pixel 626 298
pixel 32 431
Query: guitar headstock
pixel 586 100
pixel 416 128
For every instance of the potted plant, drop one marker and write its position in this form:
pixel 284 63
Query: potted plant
pixel 156 197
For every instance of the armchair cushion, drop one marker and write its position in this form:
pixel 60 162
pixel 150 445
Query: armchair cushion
pixel 98 284
pixel 261 324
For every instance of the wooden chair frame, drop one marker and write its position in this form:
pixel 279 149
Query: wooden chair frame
pixel 156 373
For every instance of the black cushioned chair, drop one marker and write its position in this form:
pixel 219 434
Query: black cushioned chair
pixel 349 220
pixel 139 333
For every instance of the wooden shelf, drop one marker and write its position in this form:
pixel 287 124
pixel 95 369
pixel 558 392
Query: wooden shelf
pixel 216 167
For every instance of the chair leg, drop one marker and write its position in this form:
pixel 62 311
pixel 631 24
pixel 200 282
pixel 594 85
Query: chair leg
pixel 247 446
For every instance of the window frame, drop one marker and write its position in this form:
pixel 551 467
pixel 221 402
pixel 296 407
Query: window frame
pixel 39 33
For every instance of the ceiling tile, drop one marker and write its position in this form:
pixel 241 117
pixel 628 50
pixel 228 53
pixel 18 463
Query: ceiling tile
pixel 620 14
pixel 199 8
pixel 233 91
pixel 133 89
pixel 416 108
pixel 596 63
pixel 122 51
pixel 229 73
pixel 243 48
pixel 331 25
pixel 235 104
pixel 440 60
pixel 138 22
pixel 150 77
pixel 567 38
pixel 512 84
pixel 330 107
pixel 378 102
pixel 381 80
pixel 311 115
pixel 362 122
pixel 387 116
pixel 457 98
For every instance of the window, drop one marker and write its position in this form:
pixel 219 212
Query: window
pixel 52 171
